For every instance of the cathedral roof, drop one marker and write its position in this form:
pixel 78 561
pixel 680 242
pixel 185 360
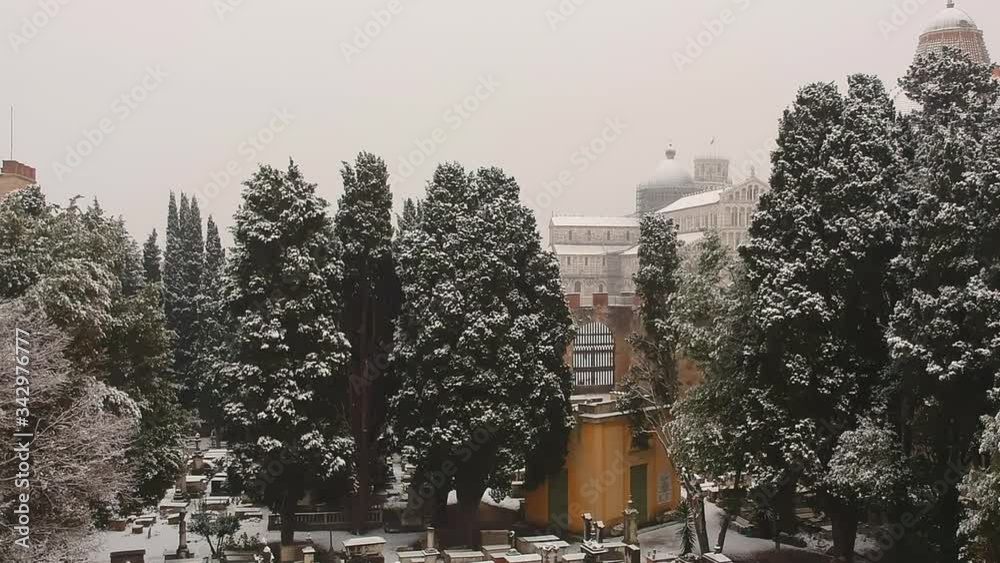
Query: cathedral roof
pixel 670 173
pixel 593 221
pixel 951 18
pixel 954 28
pixel 588 249
pixel 692 201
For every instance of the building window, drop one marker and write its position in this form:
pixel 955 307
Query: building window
pixel 594 356
pixel 588 235
pixel 586 261
pixel 628 235
pixel 570 235
pixel 600 288
pixel 607 235
pixel 569 260
pixel 577 287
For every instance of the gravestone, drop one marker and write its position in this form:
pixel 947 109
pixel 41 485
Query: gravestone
pixel 131 556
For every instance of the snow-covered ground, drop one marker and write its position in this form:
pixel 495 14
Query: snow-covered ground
pixel 740 548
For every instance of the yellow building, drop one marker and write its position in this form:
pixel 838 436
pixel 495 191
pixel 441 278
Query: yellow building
pixel 603 469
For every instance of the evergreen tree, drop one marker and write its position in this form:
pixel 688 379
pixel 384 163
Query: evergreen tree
pixel 652 387
pixel 151 259
pixel 817 263
pixel 211 336
pixel 479 345
pixel 944 337
pixel 183 269
pixel 370 295
pixel 88 280
pixel 411 214
pixel 284 381
pixel 172 264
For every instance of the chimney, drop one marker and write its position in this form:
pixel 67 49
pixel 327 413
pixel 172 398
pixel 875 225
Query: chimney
pixel 15 168
pixel 573 301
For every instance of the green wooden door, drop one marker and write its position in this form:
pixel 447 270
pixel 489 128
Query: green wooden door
pixel 637 488
pixel 559 500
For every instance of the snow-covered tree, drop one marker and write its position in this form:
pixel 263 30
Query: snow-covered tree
pixel 479 345
pixel 284 377
pixel 211 331
pixel 88 281
pixel 818 266
pixel 652 386
pixel 370 294
pixel 81 428
pixel 980 493
pixel 151 259
pixel 410 217
pixel 186 258
pixel 944 336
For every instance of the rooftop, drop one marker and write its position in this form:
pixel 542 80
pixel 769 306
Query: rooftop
pixel 588 249
pixel 593 221
pixel 692 201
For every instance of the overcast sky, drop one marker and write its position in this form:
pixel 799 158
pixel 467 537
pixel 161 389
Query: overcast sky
pixel 189 91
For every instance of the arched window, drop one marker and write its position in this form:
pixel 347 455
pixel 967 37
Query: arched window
pixel 570 235
pixel 588 235
pixel 577 287
pixel 607 235
pixel 628 235
pixel 594 356
pixel 600 288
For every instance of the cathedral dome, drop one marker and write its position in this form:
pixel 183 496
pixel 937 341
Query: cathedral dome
pixel 951 18
pixel 670 173
pixel 954 28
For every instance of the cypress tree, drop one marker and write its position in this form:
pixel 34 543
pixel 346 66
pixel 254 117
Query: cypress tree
pixel 944 337
pixel 480 341
pixel 370 296
pixel 284 379
pixel 151 259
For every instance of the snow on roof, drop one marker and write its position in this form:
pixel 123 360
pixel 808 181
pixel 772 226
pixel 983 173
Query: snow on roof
pixel 695 200
pixel 634 251
pixel 593 221
pixel 587 249
pixel 371 540
pixel 507 502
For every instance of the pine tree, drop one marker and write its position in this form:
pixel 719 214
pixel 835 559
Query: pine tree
pixel 151 259
pixel 944 336
pixel 370 295
pixel 285 379
pixel 484 390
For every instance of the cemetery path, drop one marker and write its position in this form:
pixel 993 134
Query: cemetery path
pixel 739 548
